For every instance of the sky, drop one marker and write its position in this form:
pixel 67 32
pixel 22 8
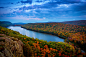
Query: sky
pixel 32 11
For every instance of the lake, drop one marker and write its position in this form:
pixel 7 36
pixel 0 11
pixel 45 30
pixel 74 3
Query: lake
pixel 34 34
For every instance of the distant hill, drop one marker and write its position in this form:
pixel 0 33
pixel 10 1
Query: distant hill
pixel 79 22
pixel 5 23
pixel 18 23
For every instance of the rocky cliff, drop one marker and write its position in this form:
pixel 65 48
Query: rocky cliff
pixel 10 46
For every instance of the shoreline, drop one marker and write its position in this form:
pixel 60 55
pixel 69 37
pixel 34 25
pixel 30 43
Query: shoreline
pixel 44 32
pixel 52 34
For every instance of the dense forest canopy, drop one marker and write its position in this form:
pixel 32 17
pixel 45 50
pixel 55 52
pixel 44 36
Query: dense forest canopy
pixel 40 48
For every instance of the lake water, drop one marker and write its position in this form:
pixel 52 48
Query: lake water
pixel 34 34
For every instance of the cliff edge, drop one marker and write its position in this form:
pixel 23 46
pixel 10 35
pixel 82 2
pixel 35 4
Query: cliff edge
pixel 10 46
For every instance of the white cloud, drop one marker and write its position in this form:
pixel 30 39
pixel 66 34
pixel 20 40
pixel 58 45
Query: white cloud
pixel 64 5
pixel 27 10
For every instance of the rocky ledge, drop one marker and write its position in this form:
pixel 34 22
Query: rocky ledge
pixel 10 46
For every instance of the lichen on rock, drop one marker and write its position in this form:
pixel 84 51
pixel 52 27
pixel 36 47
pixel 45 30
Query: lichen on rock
pixel 10 47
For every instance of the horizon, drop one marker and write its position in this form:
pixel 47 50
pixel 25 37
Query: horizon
pixel 45 22
pixel 38 11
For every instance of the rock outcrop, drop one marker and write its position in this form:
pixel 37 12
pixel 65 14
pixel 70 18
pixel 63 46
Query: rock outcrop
pixel 10 46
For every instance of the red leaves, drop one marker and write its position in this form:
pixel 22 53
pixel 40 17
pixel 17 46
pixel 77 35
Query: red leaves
pixel 59 54
pixel 24 38
pixel 51 48
pixel 46 46
pixel 38 56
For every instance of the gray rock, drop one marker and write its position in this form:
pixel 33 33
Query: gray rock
pixel 12 47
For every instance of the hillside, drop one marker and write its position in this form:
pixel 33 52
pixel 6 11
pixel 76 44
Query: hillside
pixel 18 23
pixel 76 22
pixel 5 23
pixel 79 22
pixel 39 48
pixel 73 33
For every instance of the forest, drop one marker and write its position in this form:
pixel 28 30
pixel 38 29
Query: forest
pixel 71 33
pixel 40 48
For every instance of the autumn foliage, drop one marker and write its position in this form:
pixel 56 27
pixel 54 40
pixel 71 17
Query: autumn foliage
pixel 40 48
pixel 72 33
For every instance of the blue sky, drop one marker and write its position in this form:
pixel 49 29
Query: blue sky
pixel 32 11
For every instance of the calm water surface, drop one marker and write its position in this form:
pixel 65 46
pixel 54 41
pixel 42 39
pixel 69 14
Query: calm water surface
pixel 34 34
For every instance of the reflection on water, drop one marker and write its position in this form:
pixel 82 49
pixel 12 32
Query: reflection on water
pixel 38 35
